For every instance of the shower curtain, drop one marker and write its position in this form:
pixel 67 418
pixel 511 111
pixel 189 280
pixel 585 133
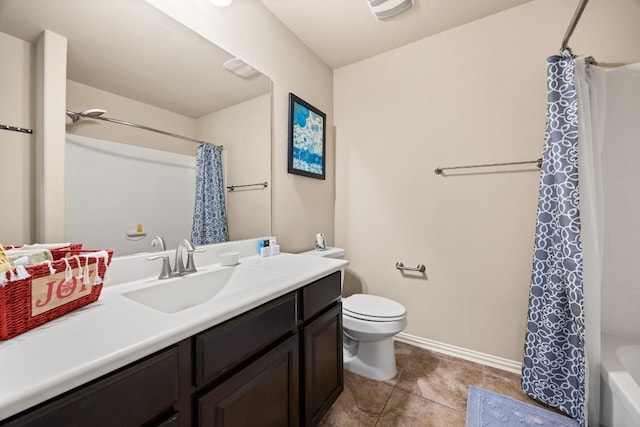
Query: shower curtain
pixel 590 86
pixel 553 369
pixel 209 213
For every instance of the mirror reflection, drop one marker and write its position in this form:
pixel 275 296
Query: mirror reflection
pixel 128 61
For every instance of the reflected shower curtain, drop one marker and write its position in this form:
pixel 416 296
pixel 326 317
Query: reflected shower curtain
pixel 209 213
pixel 553 369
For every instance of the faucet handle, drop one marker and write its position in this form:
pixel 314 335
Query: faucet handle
pixel 190 267
pixel 165 271
pixel 188 246
pixel 158 241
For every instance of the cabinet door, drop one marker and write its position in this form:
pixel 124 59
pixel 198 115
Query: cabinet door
pixel 264 394
pixel 134 395
pixel 323 369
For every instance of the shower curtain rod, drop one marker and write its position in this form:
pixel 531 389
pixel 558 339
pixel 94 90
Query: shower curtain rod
pixel 135 125
pixel 572 25
pixel 438 171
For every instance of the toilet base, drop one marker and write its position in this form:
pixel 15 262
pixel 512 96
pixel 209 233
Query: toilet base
pixel 372 359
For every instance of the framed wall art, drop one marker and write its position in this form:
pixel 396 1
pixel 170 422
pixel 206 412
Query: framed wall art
pixel 307 139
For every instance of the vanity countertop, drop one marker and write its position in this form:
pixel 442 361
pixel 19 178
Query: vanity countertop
pixel 115 331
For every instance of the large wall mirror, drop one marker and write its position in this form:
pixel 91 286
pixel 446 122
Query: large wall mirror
pixel 142 67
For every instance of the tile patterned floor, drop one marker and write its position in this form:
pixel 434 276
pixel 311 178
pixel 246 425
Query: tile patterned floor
pixel 430 390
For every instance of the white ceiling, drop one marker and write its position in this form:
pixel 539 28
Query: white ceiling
pixel 130 48
pixel 341 32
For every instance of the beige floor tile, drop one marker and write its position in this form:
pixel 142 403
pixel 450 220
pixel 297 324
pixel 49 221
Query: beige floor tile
pixel 441 380
pixel 431 389
pixel 404 409
pixel 360 404
pixel 405 355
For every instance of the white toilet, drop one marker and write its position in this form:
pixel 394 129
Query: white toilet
pixel 369 323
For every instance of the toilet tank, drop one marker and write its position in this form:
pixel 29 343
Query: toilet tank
pixel 329 253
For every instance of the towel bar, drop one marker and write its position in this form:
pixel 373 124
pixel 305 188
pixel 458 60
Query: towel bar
pixel 400 266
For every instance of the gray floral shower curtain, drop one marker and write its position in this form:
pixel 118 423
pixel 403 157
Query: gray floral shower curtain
pixel 209 213
pixel 553 369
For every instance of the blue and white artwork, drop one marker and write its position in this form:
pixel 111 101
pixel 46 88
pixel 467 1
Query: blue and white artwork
pixel 307 140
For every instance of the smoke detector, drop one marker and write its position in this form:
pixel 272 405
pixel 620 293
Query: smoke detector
pixel 385 9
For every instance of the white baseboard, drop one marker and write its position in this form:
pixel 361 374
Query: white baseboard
pixel 462 353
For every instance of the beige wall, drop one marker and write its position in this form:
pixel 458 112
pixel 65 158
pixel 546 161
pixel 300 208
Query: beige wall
pixel 17 150
pixel 81 97
pixel 301 207
pixel 50 100
pixel 470 95
pixel 247 162
pixel 475 94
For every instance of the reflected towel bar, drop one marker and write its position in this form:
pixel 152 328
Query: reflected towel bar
pixel 15 129
pixel 438 171
pixel 400 266
pixel 262 184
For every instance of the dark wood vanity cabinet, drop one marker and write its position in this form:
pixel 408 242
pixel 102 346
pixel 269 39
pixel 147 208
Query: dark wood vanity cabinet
pixel 293 380
pixel 265 393
pixel 242 337
pixel 321 330
pixel 323 372
pixel 279 365
pixel 140 394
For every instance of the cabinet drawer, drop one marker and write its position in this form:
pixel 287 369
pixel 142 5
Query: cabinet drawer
pixel 319 295
pixel 129 397
pixel 229 344
pixel 265 393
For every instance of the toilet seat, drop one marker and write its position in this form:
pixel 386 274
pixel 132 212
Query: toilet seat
pixel 373 308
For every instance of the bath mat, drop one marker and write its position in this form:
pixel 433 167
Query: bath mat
pixel 488 409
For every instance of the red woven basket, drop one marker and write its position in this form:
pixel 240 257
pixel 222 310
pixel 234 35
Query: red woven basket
pixel 59 252
pixel 18 311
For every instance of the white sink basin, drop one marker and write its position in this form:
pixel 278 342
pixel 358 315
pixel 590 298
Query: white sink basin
pixel 180 293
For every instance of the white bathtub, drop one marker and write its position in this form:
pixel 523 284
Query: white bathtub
pixel 620 388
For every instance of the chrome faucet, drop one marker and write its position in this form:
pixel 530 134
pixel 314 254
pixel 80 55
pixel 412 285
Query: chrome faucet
pixel 165 271
pixel 158 241
pixel 179 269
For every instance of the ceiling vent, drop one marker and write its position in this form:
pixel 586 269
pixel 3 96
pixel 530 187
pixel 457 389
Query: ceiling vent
pixel 385 9
pixel 240 68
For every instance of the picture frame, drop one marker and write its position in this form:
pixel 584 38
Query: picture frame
pixel 307 139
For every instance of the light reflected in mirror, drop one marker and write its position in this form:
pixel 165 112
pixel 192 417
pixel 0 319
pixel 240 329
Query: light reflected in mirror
pixel 128 58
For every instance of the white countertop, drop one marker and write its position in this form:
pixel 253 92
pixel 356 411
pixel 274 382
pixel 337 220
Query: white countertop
pixel 115 331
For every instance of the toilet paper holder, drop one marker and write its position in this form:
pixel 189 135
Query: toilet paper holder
pixel 421 268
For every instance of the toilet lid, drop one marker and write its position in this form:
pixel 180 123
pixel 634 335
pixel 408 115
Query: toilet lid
pixel 373 307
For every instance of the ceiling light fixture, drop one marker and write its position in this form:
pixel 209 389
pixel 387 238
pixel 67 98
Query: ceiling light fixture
pixel 240 68
pixel 221 3
pixel 385 9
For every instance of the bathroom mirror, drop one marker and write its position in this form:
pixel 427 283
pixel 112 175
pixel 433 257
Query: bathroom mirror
pixel 141 66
